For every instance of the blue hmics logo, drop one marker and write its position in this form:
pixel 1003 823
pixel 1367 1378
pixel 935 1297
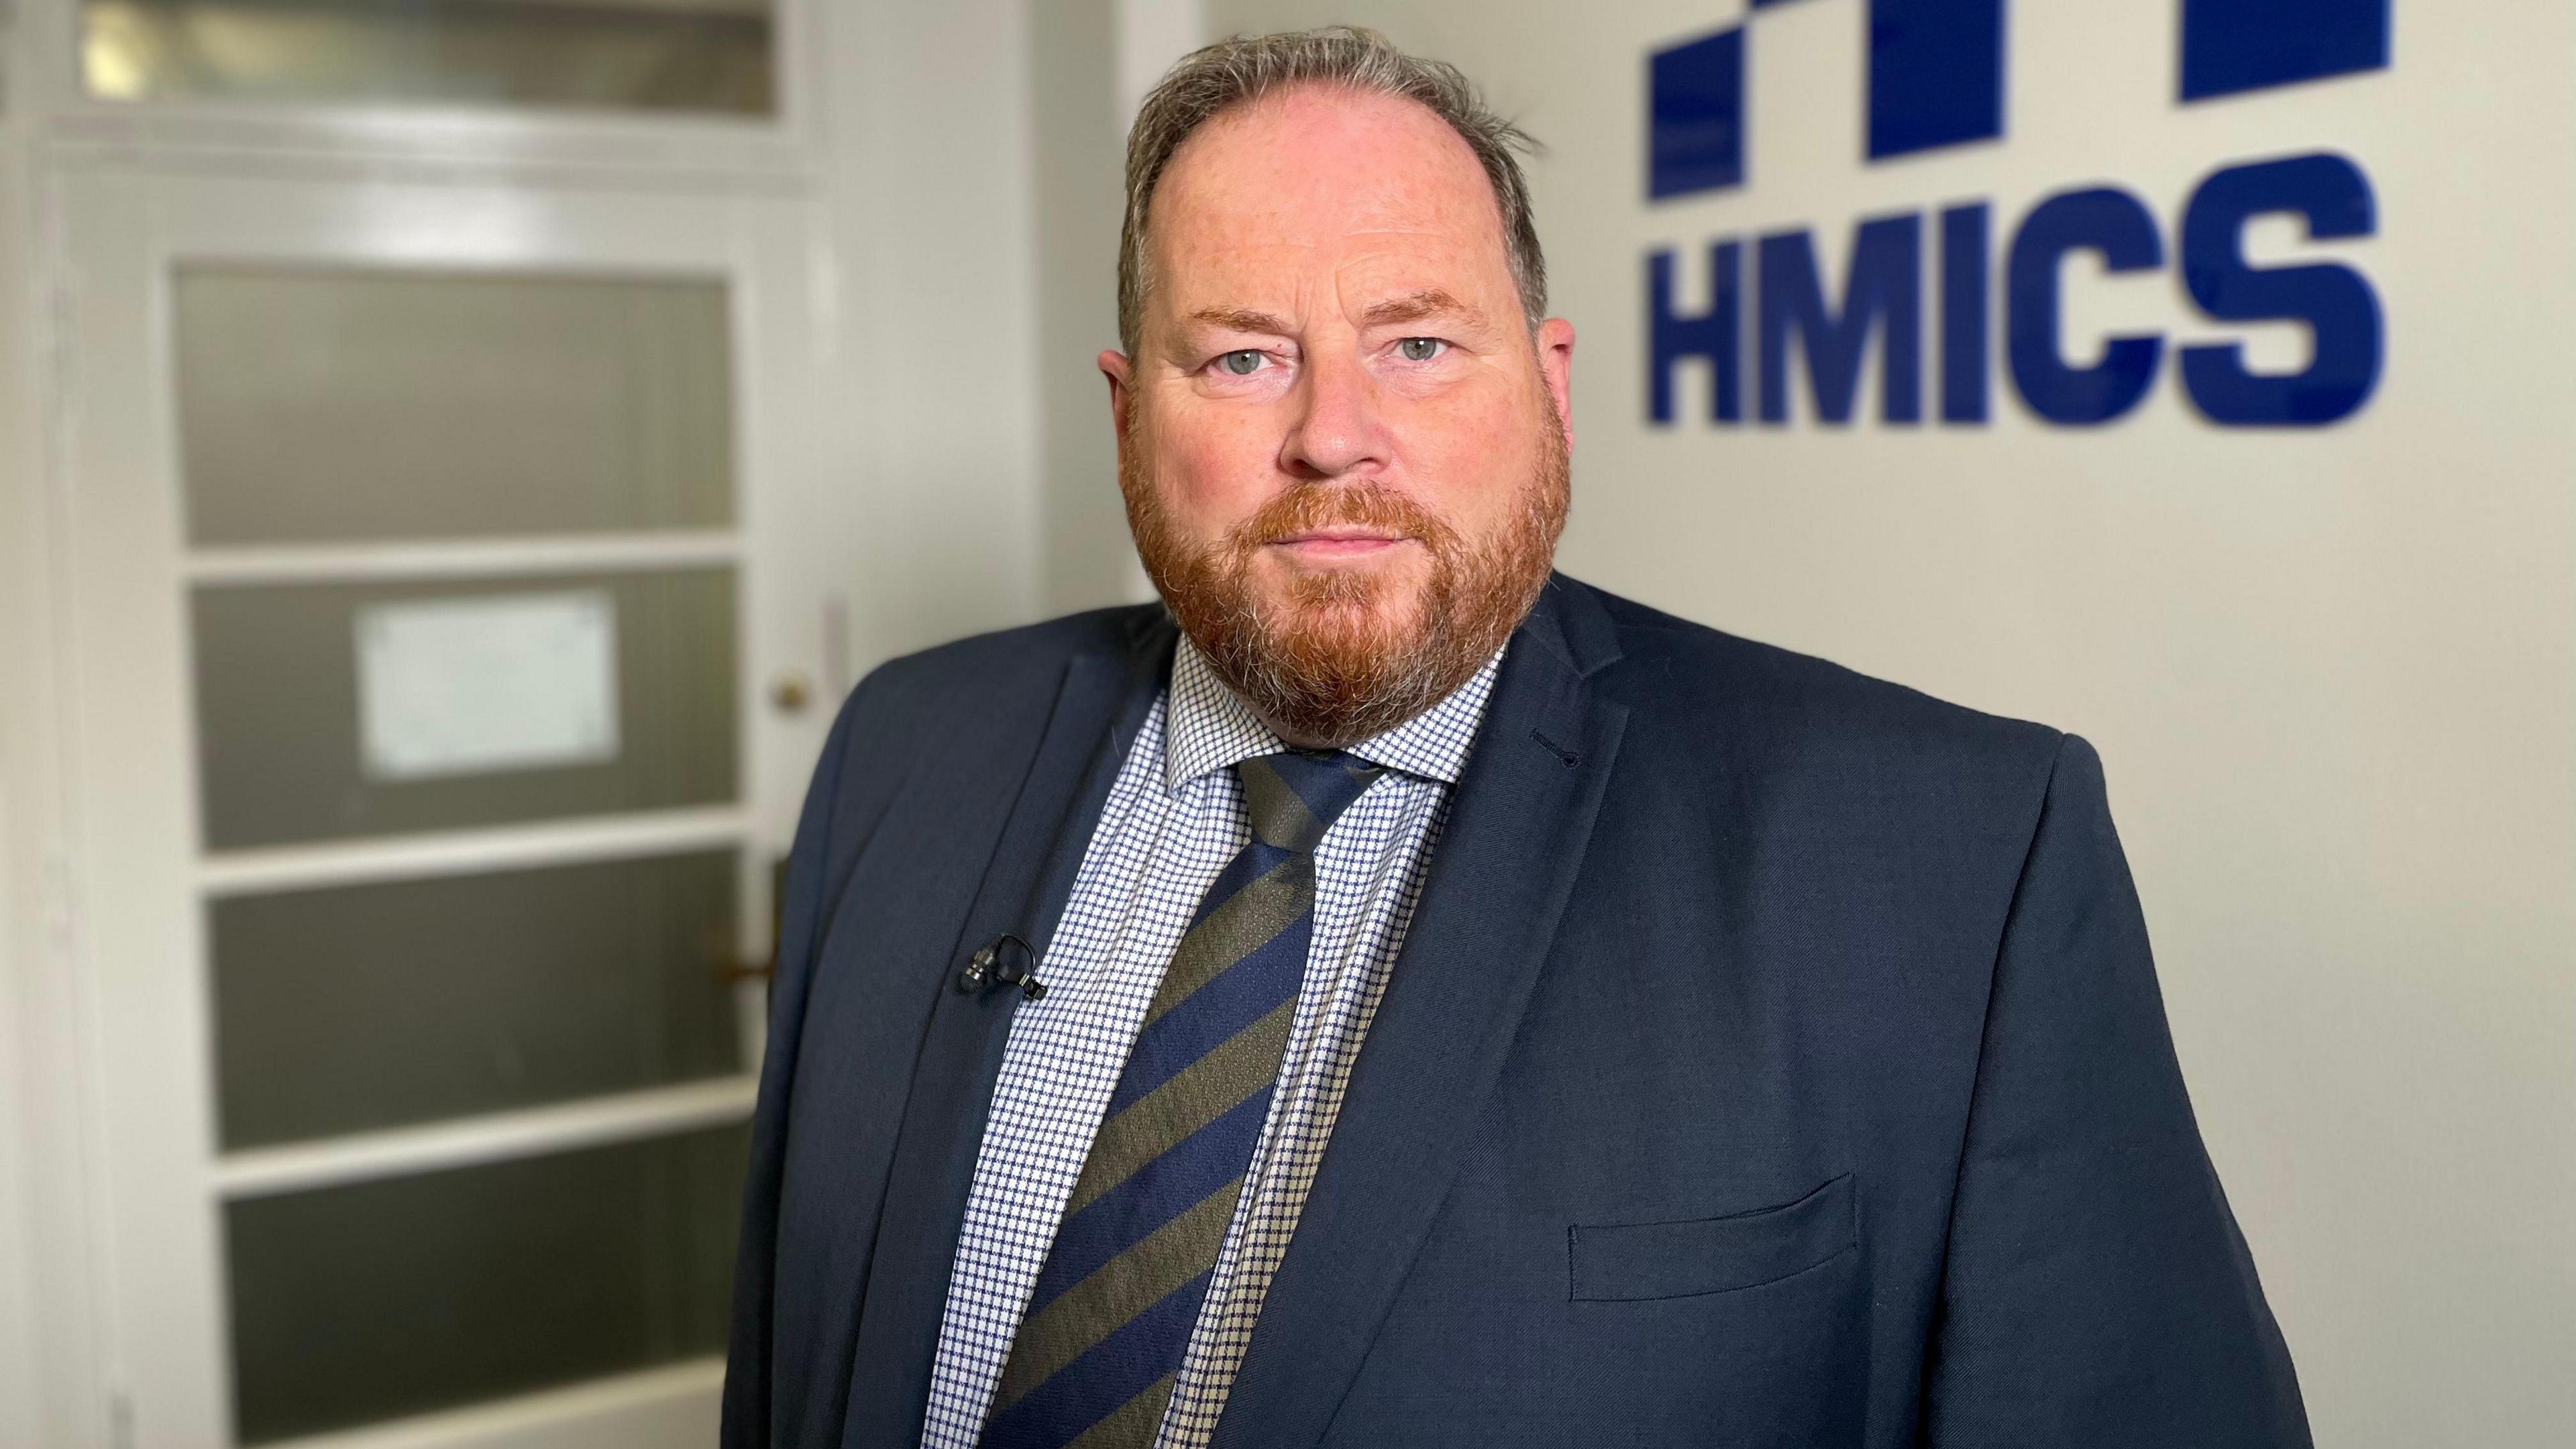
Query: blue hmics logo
pixel 1936 79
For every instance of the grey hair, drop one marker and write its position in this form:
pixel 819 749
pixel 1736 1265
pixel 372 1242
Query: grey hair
pixel 1216 78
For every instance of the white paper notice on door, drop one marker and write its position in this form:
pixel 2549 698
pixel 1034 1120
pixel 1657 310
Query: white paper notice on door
pixel 470 686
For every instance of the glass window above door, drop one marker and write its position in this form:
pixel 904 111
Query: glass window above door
pixel 713 57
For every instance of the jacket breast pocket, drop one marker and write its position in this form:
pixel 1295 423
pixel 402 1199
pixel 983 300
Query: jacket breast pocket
pixel 1630 1261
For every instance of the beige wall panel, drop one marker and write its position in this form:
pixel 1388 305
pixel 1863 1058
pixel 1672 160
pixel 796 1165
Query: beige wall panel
pixel 1073 46
pixel 932 311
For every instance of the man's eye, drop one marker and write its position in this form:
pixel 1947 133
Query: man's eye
pixel 1241 364
pixel 1420 349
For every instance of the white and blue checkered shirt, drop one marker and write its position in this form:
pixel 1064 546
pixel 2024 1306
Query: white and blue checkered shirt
pixel 1174 819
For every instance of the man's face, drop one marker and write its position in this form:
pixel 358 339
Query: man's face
pixel 1341 445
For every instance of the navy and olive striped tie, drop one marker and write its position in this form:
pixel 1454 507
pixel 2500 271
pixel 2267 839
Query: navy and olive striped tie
pixel 1113 1308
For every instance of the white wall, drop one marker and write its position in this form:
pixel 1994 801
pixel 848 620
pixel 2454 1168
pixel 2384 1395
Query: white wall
pixel 2332 673
pixel 931 178
pixel 17 1237
pixel 1092 61
pixel 1074 52
pixel 46 1343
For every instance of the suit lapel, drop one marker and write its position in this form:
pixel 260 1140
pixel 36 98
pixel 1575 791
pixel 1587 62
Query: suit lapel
pixel 1498 883
pixel 852 1053
pixel 1102 703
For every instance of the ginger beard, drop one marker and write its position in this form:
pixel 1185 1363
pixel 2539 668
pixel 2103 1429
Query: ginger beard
pixel 1339 655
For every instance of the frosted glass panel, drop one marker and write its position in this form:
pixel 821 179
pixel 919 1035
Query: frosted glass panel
pixel 345 405
pixel 279 727
pixel 382 1299
pixel 363 1007
pixel 712 56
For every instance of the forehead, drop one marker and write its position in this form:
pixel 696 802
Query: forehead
pixel 1373 189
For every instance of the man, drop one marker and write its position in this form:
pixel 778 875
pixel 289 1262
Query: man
pixel 1392 994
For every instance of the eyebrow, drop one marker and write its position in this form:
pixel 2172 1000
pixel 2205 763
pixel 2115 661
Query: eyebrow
pixel 1236 319
pixel 1416 306
pixel 1412 307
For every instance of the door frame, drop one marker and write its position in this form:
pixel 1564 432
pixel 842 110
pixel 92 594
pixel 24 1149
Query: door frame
pixel 134 1309
pixel 937 470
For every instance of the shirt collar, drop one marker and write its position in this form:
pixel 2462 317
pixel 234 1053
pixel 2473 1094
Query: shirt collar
pixel 1211 729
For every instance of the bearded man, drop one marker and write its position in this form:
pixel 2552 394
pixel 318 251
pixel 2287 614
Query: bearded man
pixel 1390 994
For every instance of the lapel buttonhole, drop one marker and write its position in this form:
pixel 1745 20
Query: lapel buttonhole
pixel 1568 757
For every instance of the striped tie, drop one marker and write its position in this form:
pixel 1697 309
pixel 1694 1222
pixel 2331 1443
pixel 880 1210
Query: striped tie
pixel 1113 1308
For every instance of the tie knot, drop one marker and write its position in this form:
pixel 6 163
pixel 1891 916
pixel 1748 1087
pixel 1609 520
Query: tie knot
pixel 1295 796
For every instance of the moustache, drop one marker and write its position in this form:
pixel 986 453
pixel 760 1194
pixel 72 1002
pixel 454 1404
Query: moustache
pixel 1310 506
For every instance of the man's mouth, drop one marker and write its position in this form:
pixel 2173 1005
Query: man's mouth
pixel 1337 543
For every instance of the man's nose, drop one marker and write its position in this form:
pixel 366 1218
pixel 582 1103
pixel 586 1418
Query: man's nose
pixel 1338 429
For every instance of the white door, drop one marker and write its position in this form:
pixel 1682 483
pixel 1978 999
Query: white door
pixel 453 623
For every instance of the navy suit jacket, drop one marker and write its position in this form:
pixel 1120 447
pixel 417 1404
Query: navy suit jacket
pixel 1775 1059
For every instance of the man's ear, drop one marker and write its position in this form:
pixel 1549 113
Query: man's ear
pixel 1115 367
pixel 1555 342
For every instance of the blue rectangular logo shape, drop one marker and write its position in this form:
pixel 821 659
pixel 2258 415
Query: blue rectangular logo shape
pixel 1695 115
pixel 1936 74
pixel 2232 46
